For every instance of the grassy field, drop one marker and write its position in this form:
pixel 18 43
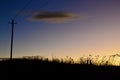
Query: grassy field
pixel 38 67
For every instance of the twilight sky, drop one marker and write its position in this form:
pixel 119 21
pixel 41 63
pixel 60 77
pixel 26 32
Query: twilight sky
pixel 60 27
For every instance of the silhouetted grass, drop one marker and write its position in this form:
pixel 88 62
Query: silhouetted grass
pixel 89 66
pixel 96 61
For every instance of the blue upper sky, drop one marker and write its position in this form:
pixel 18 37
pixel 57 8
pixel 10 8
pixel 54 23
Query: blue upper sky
pixel 60 27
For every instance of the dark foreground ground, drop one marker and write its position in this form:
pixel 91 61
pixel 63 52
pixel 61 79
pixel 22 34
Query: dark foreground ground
pixel 42 70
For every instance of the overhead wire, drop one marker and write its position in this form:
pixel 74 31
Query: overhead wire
pixel 27 4
pixel 22 9
pixel 44 4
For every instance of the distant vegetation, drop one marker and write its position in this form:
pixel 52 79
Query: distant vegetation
pixel 113 60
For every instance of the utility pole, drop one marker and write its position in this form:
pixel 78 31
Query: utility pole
pixel 12 35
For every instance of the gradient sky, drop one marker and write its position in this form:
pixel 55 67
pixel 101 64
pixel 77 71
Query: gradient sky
pixel 95 31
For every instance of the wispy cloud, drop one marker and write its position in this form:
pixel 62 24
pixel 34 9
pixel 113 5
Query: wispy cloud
pixel 53 16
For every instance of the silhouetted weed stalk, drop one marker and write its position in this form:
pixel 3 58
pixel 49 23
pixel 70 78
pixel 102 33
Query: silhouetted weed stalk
pixel 112 60
pixel 101 61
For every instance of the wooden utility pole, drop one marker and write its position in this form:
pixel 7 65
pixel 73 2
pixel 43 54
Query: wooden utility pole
pixel 12 35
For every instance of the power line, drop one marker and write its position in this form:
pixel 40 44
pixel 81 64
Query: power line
pixel 42 5
pixel 22 8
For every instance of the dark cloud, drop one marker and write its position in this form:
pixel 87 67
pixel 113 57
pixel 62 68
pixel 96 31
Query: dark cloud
pixel 53 16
